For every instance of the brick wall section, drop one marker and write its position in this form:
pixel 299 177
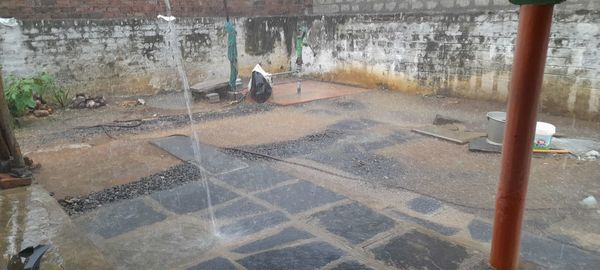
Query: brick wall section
pixel 120 9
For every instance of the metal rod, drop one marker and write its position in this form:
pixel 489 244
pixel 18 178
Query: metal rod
pixel 526 85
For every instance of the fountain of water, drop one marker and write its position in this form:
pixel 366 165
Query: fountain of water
pixel 178 61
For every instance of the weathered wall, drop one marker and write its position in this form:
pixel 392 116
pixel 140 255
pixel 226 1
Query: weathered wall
pixel 454 47
pixel 120 9
pixel 131 56
pixel 457 47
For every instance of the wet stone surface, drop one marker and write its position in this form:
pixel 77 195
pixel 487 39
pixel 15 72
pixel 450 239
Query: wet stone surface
pixel 424 205
pixel 352 265
pixel 253 224
pixel 214 264
pixel 212 160
pixel 439 228
pixel 255 178
pixel 480 230
pixel 239 208
pixel 192 197
pixel 353 125
pixel 415 250
pixel 303 257
pixel 354 222
pixel 120 218
pixel 396 137
pixel 288 235
pixel 299 197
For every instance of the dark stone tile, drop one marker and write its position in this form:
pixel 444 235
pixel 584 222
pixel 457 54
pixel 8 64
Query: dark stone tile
pixel 211 159
pixel 303 257
pixel 288 235
pixel 424 205
pixel 351 265
pixel 253 224
pixel 442 229
pixel 354 222
pixel 352 159
pixel 353 124
pixel 299 197
pixel 214 264
pixel 119 218
pixel 396 137
pixel 255 178
pixel 480 230
pixel 192 197
pixel 308 144
pixel 240 208
pixel 415 250
pixel 551 254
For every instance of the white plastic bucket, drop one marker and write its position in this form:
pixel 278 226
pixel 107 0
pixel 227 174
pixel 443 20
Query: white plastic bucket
pixel 543 135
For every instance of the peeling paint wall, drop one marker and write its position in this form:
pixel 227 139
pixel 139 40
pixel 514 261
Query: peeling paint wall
pixel 466 54
pixel 126 57
pixel 455 47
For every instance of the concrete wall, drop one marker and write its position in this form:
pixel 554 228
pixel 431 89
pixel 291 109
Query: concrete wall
pixel 456 47
pixel 131 56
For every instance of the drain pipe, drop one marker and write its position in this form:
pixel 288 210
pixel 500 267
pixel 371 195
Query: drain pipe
pixel 535 20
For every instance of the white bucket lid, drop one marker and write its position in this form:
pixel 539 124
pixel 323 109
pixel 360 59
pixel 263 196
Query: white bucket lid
pixel 543 128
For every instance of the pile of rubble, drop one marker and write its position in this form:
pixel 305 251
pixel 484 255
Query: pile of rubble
pixel 41 107
pixel 82 101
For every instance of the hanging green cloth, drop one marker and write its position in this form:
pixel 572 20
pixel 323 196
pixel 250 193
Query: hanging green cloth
pixel 232 52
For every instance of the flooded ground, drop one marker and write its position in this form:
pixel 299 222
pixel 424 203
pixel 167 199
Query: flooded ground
pixel 341 183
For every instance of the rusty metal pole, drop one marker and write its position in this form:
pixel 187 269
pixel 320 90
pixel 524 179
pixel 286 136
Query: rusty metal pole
pixel 526 84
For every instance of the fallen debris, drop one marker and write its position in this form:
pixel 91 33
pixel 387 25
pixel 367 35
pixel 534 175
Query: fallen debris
pixel 41 113
pixel 141 101
pixel 443 120
pixel 589 202
pixel 82 101
pixel 591 155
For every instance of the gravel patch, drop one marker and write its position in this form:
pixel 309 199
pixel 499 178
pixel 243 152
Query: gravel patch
pixel 302 146
pixel 168 179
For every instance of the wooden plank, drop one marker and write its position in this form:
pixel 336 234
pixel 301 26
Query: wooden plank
pixel 439 136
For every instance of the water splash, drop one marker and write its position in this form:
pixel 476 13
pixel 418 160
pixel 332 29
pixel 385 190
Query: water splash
pixel 178 60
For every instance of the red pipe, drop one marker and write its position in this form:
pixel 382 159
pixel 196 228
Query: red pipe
pixel 526 86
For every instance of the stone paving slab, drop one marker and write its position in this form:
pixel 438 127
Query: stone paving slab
pixel 416 250
pixel 351 265
pixel 299 197
pixel 211 159
pixel 439 228
pixel 286 236
pixel 255 178
pixel 119 218
pixel 239 208
pixel 218 263
pixel 161 246
pixel 543 251
pixel 424 205
pixel 192 197
pixel 308 256
pixel 353 125
pixel 396 137
pixel 253 224
pixel 354 222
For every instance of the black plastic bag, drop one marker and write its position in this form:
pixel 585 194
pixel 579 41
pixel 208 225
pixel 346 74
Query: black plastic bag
pixel 260 89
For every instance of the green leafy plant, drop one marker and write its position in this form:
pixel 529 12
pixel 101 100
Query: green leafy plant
pixel 21 90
